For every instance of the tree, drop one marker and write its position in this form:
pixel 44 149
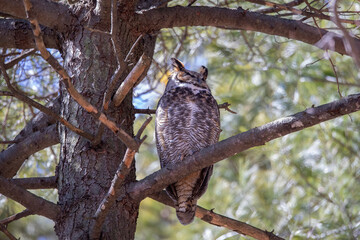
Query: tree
pixel 106 48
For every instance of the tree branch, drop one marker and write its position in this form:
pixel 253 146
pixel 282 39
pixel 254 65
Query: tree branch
pixel 42 108
pixel 32 202
pixel 156 19
pixel 131 79
pixel 16 33
pixel 113 192
pixel 241 142
pixel 119 132
pixel 49 13
pixel 12 158
pixel 15 217
pixel 35 182
pixel 213 218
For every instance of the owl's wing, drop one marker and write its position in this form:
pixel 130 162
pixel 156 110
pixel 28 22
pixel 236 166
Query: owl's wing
pixel 202 182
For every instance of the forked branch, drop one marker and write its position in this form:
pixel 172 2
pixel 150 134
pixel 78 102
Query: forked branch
pixel 34 203
pixel 119 132
pixel 113 192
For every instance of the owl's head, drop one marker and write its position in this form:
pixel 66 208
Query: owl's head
pixel 182 75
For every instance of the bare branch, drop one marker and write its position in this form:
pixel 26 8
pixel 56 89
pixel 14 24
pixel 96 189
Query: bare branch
pixel 350 45
pixel 17 59
pixel 15 217
pixel 36 182
pixel 49 13
pixel 153 20
pixel 301 12
pixel 213 218
pixel 6 232
pixel 131 79
pixel 32 202
pixel 241 142
pixel 12 158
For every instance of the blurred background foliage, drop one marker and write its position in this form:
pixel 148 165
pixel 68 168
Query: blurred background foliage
pixel 303 186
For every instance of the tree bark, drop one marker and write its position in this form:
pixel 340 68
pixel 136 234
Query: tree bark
pixel 85 171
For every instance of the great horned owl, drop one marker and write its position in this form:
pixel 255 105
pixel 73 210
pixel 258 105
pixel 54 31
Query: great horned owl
pixel 187 120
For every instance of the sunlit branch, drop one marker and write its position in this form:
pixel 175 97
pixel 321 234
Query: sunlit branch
pixel 213 218
pixel 131 79
pixel 113 192
pixel 119 132
pixel 241 142
pixel 32 202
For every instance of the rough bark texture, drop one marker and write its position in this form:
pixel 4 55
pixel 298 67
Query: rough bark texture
pixel 85 172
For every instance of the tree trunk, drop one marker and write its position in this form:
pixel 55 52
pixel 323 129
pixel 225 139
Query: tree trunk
pixel 85 172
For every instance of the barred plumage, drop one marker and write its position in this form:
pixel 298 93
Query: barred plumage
pixel 187 120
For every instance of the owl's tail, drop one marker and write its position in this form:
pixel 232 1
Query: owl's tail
pixel 185 211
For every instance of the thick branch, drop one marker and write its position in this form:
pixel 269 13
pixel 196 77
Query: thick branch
pixel 12 158
pixel 36 182
pixel 49 13
pixel 241 142
pixel 222 221
pixel 156 19
pixel 32 202
pixel 16 33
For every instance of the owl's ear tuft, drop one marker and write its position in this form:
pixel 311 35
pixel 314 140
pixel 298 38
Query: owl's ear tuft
pixel 204 72
pixel 177 65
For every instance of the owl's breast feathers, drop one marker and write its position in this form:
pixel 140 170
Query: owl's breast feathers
pixel 187 120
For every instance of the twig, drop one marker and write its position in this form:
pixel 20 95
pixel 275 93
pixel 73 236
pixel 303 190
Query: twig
pixel 301 12
pixel 335 72
pixel 19 58
pixel 7 233
pixel 349 43
pixel 15 217
pixel 213 218
pixel 118 180
pixel 116 77
pixel 42 108
pixel 119 132
pixel 224 105
pixel 32 202
pixel 276 9
pixel 131 79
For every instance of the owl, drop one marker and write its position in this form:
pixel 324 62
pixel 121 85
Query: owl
pixel 187 120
